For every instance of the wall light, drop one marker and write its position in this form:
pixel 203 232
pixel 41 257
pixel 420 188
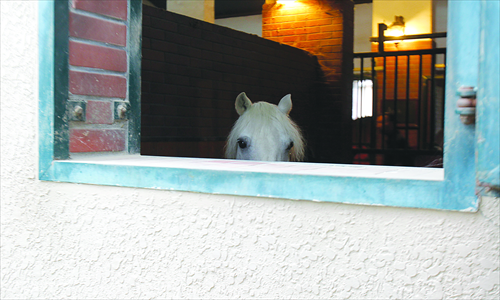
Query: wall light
pixel 288 4
pixel 285 1
pixel 397 28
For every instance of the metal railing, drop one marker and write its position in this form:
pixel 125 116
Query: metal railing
pixel 407 107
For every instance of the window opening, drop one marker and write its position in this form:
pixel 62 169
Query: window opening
pixel 402 118
pixel 192 72
pixel 362 98
pixel 327 183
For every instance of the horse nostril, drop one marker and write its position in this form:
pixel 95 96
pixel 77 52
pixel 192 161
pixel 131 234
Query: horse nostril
pixel 242 144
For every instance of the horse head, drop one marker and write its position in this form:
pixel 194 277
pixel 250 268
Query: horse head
pixel 264 131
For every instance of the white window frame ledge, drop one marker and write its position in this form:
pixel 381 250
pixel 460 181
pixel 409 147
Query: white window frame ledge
pixel 354 184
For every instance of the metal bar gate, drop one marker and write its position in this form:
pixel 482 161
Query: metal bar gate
pixel 400 121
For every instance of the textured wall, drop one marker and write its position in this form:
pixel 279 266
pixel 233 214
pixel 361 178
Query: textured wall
pixel 81 241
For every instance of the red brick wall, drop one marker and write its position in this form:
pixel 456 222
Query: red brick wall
pixel 324 28
pixel 192 72
pixel 98 73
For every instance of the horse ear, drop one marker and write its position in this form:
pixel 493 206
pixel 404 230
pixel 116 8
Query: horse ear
pixel 285 104
pixel 242 103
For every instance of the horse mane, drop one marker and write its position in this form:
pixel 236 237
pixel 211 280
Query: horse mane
pixel 259 118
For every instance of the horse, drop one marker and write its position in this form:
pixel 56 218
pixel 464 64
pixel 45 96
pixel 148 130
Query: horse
pixel 264 132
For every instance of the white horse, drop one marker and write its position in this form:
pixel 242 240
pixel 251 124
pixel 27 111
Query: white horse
pixel 264 131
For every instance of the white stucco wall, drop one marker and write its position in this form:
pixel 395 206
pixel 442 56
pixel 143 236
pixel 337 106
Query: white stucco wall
pixel 440 20
pixel 198 9
pixel 362 27
pixel 249 24
pixel 62 240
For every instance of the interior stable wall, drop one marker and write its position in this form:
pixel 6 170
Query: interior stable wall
pixel 61 240
pixel 192 72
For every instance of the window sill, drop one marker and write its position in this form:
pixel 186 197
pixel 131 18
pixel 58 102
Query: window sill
pixel 355 184
pixel 291 168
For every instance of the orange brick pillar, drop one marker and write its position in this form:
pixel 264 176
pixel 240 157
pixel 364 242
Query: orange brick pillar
pixel 325 29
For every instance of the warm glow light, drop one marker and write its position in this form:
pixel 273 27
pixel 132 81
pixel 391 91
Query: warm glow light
pixel 286 1
pixel 397 28
pixel 395 32
pixel 291 4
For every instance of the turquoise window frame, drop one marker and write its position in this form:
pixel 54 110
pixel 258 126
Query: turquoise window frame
pixel 455 190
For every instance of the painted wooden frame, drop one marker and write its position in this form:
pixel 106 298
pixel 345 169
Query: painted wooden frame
pixel 488 107
pixel 452 188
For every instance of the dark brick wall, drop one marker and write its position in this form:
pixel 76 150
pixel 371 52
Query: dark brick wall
pixel 192 72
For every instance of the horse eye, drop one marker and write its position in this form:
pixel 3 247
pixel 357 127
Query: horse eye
pixel 242 144
pixel 290 146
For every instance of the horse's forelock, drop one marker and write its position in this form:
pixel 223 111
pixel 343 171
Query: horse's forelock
pixel 266 114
